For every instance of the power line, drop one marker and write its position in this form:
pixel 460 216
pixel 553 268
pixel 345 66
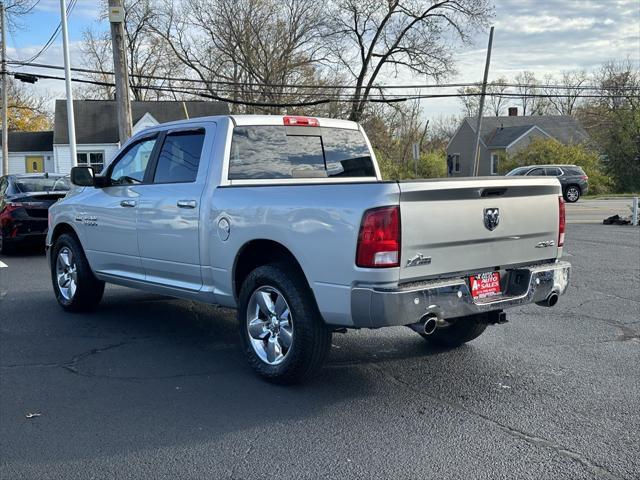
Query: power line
pixel 315 87
pixel 324 98
pixel 52 38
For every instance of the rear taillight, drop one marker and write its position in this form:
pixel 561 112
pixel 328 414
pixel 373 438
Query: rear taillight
pixel 562 220
pixel 298 121
pixel 584 177
pixel 379 238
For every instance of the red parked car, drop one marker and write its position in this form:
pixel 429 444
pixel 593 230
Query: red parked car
pixel 24 206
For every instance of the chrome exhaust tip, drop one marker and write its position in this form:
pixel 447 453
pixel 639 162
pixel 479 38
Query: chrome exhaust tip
pixel 550 301
pixel 427 324
pixel 430 324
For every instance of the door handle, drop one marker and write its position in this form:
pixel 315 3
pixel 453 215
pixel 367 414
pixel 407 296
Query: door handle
pixel 186 204
pixel 128 203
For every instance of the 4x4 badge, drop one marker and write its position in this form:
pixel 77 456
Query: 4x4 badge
pixel 491 218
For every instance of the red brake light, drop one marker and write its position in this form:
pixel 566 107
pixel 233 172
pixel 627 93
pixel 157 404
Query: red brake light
pixel 562 220
pixel 298 121
pixel 379 238
pixel 584 177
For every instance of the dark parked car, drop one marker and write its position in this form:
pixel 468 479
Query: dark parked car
pixel 574 181
pixel 24 206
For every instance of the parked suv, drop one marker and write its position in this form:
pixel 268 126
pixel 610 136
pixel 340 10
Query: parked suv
pixel 574 181
pixel 24 205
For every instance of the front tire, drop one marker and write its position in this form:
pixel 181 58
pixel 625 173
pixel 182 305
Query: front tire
pixel 283 334
pixel 75 286
pixel 572 193
pixel 459 331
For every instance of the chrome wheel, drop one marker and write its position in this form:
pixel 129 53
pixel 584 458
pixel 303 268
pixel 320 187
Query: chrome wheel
pixel 66 273
pixel 573 194
pixel 269 325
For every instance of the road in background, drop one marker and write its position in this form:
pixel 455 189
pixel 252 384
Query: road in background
pixel 595 211
pixel 151 387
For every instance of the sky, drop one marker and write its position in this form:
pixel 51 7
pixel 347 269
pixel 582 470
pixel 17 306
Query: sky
pixel 543 36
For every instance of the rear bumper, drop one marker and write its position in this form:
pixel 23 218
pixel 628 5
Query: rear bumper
pixel 374 307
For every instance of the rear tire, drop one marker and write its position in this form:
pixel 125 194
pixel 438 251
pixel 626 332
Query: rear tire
pixel 74 284
pixel 459 331
pixel 277 307
pixel 572 193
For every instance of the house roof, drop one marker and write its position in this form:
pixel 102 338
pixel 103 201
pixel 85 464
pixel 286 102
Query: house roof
pixel 30 141
pixel 96 120
pixel 563 128
pixel 503 137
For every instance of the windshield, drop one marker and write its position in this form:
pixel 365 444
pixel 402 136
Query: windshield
pixel 517 171
pixel 42 184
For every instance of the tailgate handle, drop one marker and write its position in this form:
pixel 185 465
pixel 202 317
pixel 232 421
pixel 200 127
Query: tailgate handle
pixel 493 192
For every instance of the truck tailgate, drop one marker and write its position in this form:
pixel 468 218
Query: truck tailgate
pixel 444 231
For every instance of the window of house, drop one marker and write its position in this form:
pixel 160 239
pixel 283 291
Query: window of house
pixel 179 158
pixel 495 160
pixel 91 159
pixel 453 163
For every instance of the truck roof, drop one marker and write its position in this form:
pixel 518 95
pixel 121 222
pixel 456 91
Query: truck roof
pixel 246 120
pixel 278 120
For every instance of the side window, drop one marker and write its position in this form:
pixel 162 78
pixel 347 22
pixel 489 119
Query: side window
pixel 130 167
pixel 179 157
pixel 553 172
pixel 536 171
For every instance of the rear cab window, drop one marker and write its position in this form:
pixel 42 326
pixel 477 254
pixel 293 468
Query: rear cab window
pixel 290 152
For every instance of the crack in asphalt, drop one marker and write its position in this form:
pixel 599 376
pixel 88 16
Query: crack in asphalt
pixel 598 470
pixel 72 365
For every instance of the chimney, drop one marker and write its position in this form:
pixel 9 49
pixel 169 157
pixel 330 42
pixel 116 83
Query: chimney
pixel 513 111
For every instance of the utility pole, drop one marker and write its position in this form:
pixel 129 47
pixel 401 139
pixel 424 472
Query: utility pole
pixel 5 97
pixel 71 123
pixel 476 151
pixel 123 98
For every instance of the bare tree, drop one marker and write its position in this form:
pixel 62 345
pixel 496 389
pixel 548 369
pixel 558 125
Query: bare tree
pixel 528 91
pixel 248 50
pixel 496 102
pixel 371 38
pixel 148 55
pixel 564 100
pixel 469 97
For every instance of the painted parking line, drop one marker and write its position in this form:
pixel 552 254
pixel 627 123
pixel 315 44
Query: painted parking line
pixel 3 265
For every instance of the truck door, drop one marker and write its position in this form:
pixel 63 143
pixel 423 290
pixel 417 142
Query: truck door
pixel 110 215
pixel 169 211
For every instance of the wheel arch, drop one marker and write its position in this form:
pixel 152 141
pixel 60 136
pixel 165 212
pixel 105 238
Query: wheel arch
pixel 61 228
pixel 258 252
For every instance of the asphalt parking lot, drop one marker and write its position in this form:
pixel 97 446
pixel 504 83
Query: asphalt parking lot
pixel 150 387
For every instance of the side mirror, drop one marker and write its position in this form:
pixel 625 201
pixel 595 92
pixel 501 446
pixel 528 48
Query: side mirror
pixel 83 176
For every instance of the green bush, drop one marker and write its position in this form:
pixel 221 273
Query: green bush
pixel 430 165
pixel 545 151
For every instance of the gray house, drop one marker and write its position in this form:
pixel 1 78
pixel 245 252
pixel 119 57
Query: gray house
pixel 500 136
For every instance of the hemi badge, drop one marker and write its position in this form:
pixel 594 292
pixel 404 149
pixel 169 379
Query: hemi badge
pixel 548 243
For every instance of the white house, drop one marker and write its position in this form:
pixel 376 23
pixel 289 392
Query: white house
pixel 97 127
pixel 30 152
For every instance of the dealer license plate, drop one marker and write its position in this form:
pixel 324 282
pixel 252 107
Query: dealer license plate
pixel 485 285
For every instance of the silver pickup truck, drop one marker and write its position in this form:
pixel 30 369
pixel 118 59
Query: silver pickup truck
pixel 287 219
